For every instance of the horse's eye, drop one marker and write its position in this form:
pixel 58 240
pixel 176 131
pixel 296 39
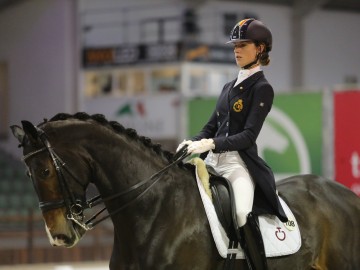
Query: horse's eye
pixel 45 173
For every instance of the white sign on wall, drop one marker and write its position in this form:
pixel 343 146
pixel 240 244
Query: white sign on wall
pixel 151 116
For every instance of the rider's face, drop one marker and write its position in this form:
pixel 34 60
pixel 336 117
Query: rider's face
pixel 245 52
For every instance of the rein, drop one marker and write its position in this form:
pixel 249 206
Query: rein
pixel 75 207
pixel 179 156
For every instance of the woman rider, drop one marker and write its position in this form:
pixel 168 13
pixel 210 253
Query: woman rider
pixel 230 137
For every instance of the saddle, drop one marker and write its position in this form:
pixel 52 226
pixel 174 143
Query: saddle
pixel 219 204
pixel 220 191
pixel 224 202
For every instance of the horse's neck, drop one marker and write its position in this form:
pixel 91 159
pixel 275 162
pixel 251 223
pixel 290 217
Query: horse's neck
pixel 164 205
pixel 169 212
pixel 121 162
pixel 125 165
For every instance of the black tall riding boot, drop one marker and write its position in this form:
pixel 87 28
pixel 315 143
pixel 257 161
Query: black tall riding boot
pixel 252 243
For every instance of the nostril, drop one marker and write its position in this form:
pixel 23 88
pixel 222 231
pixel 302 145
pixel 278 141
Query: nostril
pixel 61 239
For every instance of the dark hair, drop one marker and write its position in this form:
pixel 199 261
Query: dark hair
pixel 264 57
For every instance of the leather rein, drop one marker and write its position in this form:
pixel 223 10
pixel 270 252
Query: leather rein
pixel 75 206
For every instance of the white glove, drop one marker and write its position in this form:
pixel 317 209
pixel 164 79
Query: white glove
pixel 201 146
pixel 181 145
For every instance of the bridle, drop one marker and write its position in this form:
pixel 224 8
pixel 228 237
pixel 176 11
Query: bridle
pixel 75 206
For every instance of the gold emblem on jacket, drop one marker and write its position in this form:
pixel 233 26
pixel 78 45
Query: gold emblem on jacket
pixel 238 105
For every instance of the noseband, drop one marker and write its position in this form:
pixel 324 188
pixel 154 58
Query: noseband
pixel 75 206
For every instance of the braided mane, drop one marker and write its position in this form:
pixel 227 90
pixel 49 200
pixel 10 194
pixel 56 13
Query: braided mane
pixel 116 127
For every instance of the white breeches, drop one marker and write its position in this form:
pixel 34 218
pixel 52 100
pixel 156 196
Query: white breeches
pixel 231 166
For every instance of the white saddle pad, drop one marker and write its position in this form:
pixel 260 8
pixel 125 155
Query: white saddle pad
pixel 279 238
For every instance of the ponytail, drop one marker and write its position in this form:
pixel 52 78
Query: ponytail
pixel 263 57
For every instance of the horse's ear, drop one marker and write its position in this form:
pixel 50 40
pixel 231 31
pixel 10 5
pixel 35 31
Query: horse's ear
pixel 30 130
pixel 18 132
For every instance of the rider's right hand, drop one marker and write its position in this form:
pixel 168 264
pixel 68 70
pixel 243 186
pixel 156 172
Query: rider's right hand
pixel 184 142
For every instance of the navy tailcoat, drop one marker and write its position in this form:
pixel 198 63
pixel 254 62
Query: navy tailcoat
pixel 235 125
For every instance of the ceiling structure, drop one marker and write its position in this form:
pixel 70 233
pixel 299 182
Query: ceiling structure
pixel 303 6
pixel 300 9
pixel 339 5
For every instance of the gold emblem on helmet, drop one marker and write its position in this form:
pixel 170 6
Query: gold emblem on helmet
pixel 238 105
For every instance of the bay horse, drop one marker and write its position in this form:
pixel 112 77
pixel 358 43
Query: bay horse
pixel 160 223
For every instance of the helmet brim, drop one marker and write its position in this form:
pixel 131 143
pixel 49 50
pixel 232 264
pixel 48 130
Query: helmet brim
pixel 237 41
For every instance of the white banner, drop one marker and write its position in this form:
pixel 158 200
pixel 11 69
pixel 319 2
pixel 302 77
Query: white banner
pixel 153 116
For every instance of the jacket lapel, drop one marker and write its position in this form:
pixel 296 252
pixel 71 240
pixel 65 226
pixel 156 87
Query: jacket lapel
pixel 244 85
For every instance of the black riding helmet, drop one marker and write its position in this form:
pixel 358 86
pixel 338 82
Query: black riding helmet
pixel 251 30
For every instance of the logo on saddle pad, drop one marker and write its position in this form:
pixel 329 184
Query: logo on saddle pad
pixel 281 235
pixel 290 225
